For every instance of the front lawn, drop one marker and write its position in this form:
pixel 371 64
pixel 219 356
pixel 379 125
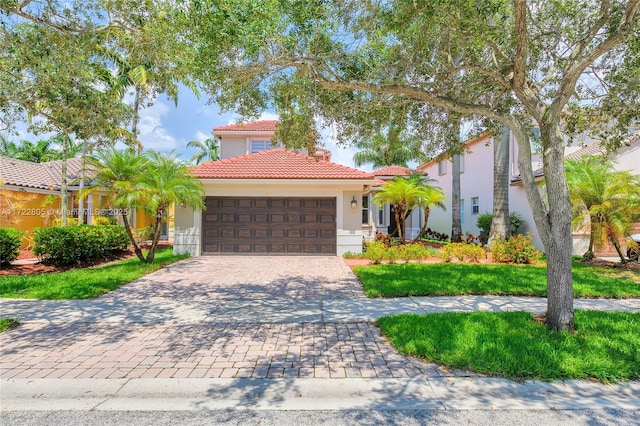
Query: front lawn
pixel 84 283
pixel 452 279
pixel 606 345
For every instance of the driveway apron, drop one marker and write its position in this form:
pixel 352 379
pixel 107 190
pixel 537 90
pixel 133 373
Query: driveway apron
pixel 209 317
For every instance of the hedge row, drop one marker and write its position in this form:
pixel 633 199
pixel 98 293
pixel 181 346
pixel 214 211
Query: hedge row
pixel 9 244
pixel 71 244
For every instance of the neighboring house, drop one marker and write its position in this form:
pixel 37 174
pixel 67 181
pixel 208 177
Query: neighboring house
pixel 381 218
pixel 477 183
pixel 262 199
pixel 30 195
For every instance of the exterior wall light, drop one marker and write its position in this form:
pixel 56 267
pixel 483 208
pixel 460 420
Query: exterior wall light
pixel 354 203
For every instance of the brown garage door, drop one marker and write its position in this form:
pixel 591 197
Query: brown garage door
pixel 277 225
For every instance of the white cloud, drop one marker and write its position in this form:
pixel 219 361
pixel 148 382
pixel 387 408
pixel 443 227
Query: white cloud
pixel 201 136
pixel 153 135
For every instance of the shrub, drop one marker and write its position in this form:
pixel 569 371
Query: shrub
pixel 386 239
pixel 71 244
pixel 462 252
pixel 352 255
pixel 105 220
pixel 484 223
pixel 517 249
pixel 9 244
pixel 375 251
pixel 393 254
pixel 436 236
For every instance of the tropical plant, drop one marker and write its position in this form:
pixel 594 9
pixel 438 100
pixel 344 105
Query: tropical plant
pixel 167 183
pixel 388 148
pixel 209 150
pixel 428 197
pixel 152 181
pixel 40 151
pixel 402 195
pixel 406 194
pixel 604 199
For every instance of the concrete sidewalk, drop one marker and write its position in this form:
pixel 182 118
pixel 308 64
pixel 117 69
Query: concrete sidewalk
pixel 308 310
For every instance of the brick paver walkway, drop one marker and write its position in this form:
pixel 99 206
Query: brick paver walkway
pixel 165 347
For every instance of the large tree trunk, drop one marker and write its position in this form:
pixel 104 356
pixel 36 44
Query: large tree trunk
pixel 560 315
pixel 500 222
pixel 456 221
pixel 554 222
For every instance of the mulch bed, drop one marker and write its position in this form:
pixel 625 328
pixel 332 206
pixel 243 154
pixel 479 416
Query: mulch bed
pixel 45 268
pixel 630 266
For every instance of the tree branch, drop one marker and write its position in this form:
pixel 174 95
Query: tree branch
pixel 575 70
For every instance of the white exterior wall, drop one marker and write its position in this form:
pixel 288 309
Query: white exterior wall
pixel 349 233
pixel 475 181
pixel 237 143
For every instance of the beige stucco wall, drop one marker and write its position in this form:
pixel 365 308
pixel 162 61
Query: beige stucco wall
pixel 348 221
pixel 232 146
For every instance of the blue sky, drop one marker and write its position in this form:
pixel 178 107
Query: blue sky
pixel 165 127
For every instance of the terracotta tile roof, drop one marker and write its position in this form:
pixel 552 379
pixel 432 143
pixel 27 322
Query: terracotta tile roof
pixel 37 175
pixel 276 164
pixel 394 171
pixel 262 125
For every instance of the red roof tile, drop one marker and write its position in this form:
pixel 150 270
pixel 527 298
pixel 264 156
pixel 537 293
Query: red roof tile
pixel 394 171
pixel 276 164
pixel 262 125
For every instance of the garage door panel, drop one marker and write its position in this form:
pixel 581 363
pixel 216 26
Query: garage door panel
pixel 264 225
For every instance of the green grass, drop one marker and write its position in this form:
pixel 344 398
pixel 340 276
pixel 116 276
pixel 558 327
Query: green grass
pixel 84 283
pixel 8 324
pixel 606 345
pixel 452 279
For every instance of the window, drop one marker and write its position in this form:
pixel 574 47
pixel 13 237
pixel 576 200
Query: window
pixel 461 157
pixel 442 167
pixel 462 212
pixel 381 216
pixel 365 209
pixel 475 205
pixel 260 145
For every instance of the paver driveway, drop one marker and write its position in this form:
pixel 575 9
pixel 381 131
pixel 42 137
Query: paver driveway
pixel 222 316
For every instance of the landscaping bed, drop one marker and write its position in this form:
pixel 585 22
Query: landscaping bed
pixel 38 267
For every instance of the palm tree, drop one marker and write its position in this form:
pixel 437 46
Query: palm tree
pixel 428 197
pixel 604 198
pixel 209 150
pixel 168 182
pixel 387 149
pixel 118 172
pixel 403 195
pixel 151 181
